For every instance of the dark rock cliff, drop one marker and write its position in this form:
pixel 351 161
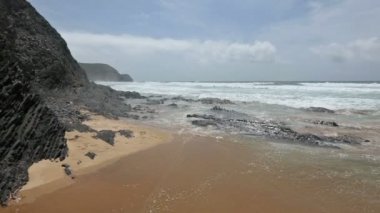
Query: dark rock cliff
pixel 29 131
pixel 38 47
pixel 42 89
pixel 103 72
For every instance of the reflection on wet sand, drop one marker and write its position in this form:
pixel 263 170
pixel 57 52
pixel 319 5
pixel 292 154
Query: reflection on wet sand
pixel 203 174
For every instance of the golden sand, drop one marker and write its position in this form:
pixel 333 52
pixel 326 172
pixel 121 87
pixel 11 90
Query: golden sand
pixel 188 174
pixel 52 173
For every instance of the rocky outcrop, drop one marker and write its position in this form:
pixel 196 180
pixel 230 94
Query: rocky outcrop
pixel 29 131
pixel 103 72
pixel 256 127
pixel 42 91
pixel 91 155
pixel 107 136
pixel 320 110
pixel 325 123
pixel 215 101
pixel 38 48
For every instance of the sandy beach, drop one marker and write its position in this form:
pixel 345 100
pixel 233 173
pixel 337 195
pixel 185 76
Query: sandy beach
pixel 189 106
pixel 47 176
pixel 162 171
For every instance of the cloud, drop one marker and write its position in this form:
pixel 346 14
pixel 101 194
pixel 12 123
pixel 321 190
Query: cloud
pixel 358 50
pixel 87 45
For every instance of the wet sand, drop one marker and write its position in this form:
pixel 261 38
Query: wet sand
pixel 202 174
pixel 51 173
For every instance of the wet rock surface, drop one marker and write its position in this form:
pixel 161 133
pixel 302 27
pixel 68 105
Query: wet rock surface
pixel 215 101
pixel 174 105
pixel 180 98
pixel 325 123
pixel 320 109
pixel 131 95
pixel 204 123
pixel 266 128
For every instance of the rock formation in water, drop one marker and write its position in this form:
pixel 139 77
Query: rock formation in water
pixel 42 89
pixel 103 72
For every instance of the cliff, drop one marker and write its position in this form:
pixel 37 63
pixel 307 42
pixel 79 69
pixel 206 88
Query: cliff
pixel 29 132
pixel 103 72
pixel 42 89
pixel 38 48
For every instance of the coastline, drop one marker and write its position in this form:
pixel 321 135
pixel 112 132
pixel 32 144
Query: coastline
pixel 202 174
pixel 48 176
pixel 177 169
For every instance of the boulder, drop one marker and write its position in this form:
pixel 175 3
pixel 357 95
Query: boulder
pixel 320 109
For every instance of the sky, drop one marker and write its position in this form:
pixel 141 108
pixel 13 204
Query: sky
pixel 224 40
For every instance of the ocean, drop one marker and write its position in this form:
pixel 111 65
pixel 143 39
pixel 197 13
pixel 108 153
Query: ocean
pixel 331 95
pixel 341 146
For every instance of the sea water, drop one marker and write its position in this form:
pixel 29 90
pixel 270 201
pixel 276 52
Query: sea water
pixel 357 111
pixel 332 95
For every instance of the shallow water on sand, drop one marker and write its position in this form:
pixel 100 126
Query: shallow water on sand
pixel 234 174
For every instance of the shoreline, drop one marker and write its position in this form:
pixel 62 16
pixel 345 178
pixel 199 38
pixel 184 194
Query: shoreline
pixel 48 176
pixel 203 174
pixel 162 170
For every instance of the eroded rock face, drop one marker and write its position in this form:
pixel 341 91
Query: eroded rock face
pixel 37 47
pixel 29 131
pixel 42 91
pixel 34 60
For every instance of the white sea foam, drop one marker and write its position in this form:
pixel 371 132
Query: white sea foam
pixel 359 96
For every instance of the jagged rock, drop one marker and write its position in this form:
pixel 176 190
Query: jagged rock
pixel 326 123
pixel 215 101
pixel 126 133
pixel 29 131
pixel 107 136
pixel 39 49
pixel 155 101
pixel 320 109
pixel 91 155
pixel 42 90
pixel 346 139
pixel 270 129
pixel 180 98
pixel 131 95
pixel 174 105
pixel 217 108
pixel 207 117
pixel 203 123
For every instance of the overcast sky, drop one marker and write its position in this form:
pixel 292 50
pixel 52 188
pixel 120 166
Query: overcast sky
pixel 223 40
